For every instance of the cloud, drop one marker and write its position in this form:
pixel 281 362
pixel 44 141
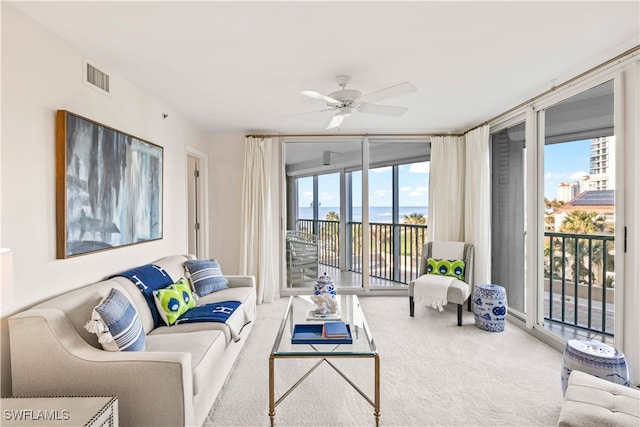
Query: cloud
pixel 380 170
pixel 405 189
pixel 326 196
pixel 578 175
pixel 423 167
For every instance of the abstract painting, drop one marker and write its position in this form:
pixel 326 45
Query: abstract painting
pixel 108 187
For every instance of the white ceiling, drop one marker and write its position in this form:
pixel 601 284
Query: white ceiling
pixel 240 66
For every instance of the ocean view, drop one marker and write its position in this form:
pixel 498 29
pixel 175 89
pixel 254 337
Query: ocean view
pixel 376 213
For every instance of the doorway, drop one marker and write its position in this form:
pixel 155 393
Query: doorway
pixel 197 204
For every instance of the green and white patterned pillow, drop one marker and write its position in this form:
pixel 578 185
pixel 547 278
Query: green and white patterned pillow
pixel 446 267
pixel 174 300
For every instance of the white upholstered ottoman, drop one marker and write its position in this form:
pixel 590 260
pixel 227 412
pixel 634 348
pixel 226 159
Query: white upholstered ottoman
pixel 592 401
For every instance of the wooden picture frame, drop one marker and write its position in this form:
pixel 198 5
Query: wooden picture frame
pixel 108 187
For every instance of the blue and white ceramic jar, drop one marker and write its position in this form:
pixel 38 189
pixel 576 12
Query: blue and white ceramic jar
pixel 324 294
pixel 490 307
pixel 595 358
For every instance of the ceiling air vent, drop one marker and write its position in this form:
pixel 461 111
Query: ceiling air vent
pixel 96 78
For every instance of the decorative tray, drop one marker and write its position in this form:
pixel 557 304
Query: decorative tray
pixel 309 333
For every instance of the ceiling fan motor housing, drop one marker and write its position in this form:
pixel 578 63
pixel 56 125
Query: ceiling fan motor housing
pixel 346 97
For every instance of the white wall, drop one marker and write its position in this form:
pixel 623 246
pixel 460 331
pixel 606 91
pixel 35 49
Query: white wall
pixel 41 74
pixel 226 162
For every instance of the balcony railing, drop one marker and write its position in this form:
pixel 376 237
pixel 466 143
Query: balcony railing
pixel 395 249
pixel 580 281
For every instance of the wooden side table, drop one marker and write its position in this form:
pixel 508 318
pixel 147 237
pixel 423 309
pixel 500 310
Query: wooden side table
pixel 88 411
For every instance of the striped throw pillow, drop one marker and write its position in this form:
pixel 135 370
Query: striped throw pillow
pixel 117 324
pixel 205 276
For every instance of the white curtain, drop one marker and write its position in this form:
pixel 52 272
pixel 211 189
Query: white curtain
pixel 446 189
pixel 477 205
pixel 257 258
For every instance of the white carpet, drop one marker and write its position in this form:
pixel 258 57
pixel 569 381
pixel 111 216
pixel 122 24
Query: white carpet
pixel 433 373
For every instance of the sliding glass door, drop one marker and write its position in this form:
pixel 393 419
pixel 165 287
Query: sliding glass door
pixel 578 254
pixel 369 223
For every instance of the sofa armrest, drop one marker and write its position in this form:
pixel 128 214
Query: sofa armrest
pixel 241 281
pixel 49 358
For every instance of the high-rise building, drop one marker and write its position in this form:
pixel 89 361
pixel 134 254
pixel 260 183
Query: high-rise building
pixel 567 191
pixel 602 171
pixel 602 163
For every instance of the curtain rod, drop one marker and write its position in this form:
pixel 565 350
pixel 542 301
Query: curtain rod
pixel 632 52
pixel 351 135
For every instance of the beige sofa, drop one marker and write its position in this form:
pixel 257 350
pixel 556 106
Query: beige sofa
pixel 173 382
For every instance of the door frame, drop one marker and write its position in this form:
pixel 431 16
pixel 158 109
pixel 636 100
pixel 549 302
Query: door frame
pixel 201 199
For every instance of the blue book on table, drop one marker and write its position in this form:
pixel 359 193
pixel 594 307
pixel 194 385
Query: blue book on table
pixel 336 330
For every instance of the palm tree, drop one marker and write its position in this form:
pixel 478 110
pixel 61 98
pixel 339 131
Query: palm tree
pixel 330 238
pixel 333 216
pixel 583 222
pixel 413 239
pixel 415 218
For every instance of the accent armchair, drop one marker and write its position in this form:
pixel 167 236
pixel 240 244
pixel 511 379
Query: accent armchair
pixel 435 289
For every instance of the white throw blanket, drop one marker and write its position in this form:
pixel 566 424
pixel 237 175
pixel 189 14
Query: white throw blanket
pixel 431 290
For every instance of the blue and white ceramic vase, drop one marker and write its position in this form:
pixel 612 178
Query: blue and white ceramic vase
pixel 595 358
pixel 490 307
pixel 324 293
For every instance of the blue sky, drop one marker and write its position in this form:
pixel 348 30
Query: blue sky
pixel 565 162
pixel 413 185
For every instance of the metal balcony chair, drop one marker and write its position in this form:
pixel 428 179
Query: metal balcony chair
pixel 458 291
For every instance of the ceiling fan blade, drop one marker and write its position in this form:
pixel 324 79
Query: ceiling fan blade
pixel 386 110
pixel 304 114
pixel 389 92
pixel 336 121
pixel 321 97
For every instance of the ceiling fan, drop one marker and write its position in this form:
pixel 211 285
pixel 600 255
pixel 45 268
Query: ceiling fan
pixel 346 101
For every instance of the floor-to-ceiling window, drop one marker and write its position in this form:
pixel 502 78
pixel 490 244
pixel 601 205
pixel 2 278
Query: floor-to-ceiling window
pixel 579 214
pixel 325 198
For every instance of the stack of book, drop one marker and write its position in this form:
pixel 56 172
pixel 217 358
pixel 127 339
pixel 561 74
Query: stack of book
pixel 335 330
pixel 324 333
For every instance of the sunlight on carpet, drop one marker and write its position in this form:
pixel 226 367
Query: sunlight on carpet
pixel 433 373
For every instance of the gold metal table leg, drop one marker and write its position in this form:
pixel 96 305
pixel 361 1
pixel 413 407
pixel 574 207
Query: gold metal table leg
pixel 272 407
pixel 376 406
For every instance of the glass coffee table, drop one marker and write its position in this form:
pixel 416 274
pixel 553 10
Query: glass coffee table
pixel 299 309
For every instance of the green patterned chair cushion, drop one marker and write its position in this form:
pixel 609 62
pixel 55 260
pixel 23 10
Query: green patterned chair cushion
pixel 446 267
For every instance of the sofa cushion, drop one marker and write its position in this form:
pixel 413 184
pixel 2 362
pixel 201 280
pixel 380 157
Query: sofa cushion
pixel 117 324
pixel 206 349
pixel 205 276
pixel 592 401
pixel 174 300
